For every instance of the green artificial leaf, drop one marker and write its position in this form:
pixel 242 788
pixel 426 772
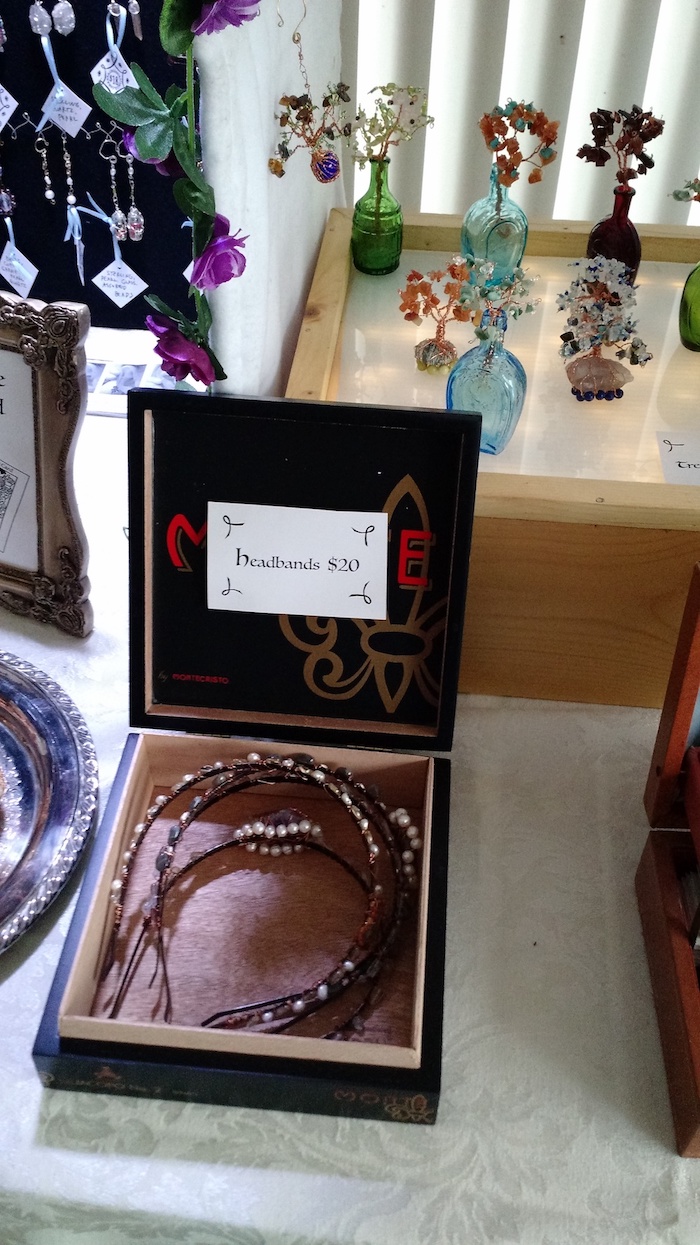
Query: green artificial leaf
pixel 147 87
pixel 188 162
pixel 187 328
pixel 176 20
pixel 202 230
pixel 154 141
pixel 205 319
pixel 219 372
pixel 200 207
pixel 130 107
pixel 175 96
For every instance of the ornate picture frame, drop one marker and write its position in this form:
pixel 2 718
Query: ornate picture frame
pixel 43 395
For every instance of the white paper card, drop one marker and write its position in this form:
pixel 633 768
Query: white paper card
pixel 287 560
pixel 120 283
pixel 7 107
pixel 69 112
pixel 680 456
pixel 17 270
pixel 113 72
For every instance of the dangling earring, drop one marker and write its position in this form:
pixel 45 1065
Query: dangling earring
pixel 63 17
pixel 3 35
pixel 74 228
pixel 118 218
pixel 39 19
pixel 41 147
pixel 134 218
pixel 300 122
pixel 135 14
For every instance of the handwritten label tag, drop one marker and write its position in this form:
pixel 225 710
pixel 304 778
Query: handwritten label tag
pixel 680 456
pixel 113 72
pixel 17 270
pixel 120 283
pixel 67 110
pixel 284 560
pixel 7 107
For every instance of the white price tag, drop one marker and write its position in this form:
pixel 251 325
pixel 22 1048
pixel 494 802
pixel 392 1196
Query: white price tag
pixel 67 110
pixel 120 283
pixel 680 456
pixel 7 107
pixel 17 270
pixel 284 560
pixel 113 72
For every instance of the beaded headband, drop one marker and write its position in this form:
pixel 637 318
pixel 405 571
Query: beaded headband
pixel 390 834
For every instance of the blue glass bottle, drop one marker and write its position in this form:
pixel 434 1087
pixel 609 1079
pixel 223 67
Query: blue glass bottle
pixel 495 228
pixel 490 380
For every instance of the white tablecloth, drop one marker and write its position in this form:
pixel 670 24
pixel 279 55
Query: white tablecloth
pixel 554 1126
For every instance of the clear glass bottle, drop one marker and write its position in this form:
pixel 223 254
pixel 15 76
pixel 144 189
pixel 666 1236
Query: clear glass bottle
pixel 495 229
pixel 490 380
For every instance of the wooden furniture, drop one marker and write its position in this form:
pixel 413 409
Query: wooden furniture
pixel 576 585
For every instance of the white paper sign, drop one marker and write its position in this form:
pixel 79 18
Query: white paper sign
pixel 680 456
pixel 7 107
pixel 17 270
pixel 69 112
pixel 120 283
pixel 113 72
pixel 285 560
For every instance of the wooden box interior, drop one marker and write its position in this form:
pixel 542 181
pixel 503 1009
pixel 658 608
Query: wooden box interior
pixel 242 926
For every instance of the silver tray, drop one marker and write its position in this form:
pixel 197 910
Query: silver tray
pixel 48 799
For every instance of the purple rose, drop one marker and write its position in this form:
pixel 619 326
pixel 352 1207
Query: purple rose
pixel 170 167
pixel 217 14
pixel 221 259
pixel 180 357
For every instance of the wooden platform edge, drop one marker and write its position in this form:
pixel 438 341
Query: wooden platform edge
pixel 310 373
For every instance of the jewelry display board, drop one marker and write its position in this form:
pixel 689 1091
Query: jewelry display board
pixel 43 552
pixel 564 598
pixel 35 162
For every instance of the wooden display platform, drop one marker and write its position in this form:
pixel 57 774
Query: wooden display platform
pixel 577 586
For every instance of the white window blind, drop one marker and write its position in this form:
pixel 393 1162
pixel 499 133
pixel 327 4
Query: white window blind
pixel 569 57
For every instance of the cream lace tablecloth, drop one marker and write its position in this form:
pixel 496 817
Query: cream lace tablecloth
pixel 554 1126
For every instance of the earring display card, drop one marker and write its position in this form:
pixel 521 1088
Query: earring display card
pixel 388 670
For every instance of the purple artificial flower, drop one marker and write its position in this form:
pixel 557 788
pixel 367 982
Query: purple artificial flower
pixel 221 259
pixel 170 167
pixel 218 14
pixel 180 356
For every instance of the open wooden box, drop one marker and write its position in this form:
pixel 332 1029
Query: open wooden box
pixel 292 914
pixel 667 883
pixel 577 581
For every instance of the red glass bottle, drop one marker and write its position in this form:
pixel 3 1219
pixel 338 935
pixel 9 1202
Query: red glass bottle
pixel 615 237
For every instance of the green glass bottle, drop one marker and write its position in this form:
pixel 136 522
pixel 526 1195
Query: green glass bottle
pixel 689 316
pixel 377 225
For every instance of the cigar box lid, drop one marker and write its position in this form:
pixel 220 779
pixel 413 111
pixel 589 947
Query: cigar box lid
pixel 298 569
